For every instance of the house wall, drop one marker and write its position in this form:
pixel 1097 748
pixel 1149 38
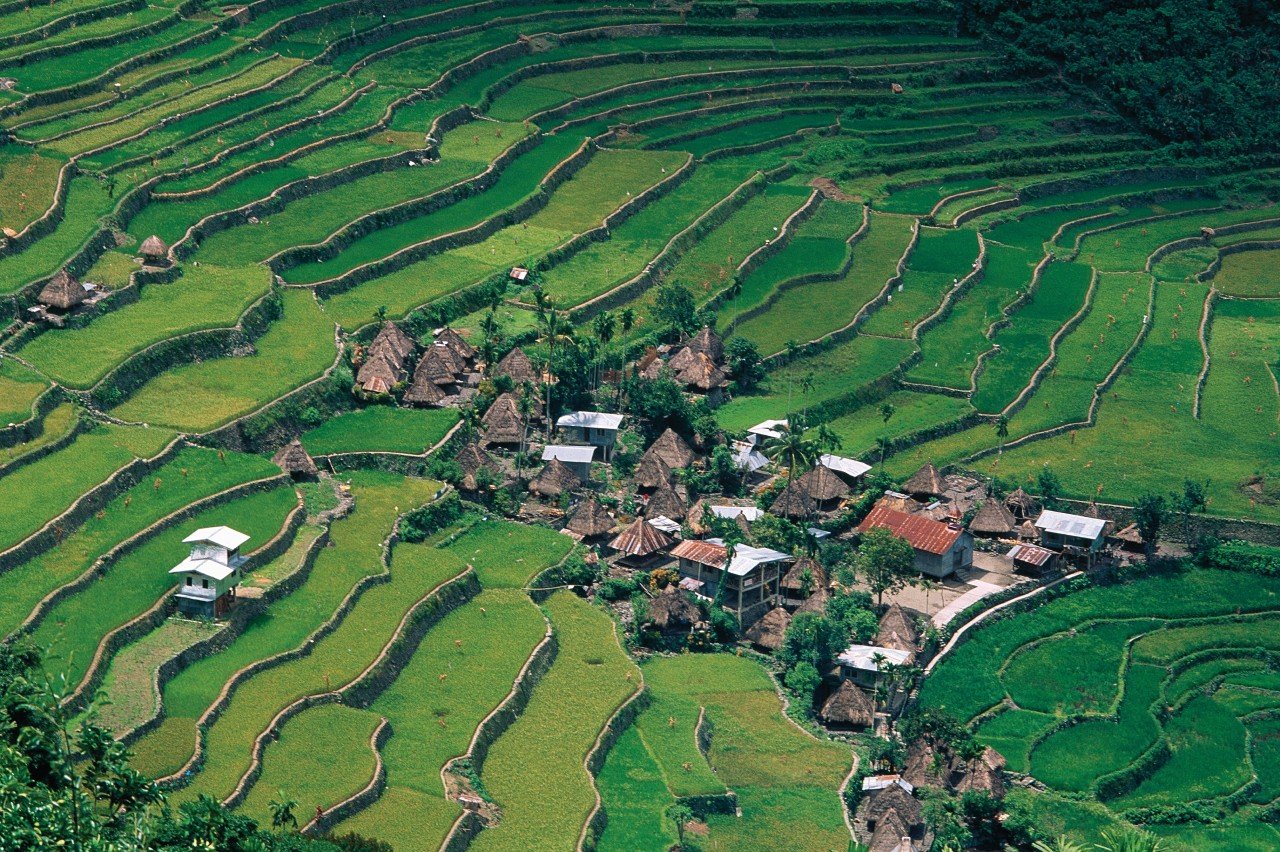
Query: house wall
pixel 958 557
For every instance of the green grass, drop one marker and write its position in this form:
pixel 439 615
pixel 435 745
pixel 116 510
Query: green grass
pixel 87 200
pixel 204 297
pixel 1248 273
pixel 27 184
pixel 634 793
pixel 193 474
pixel 40 491
pixel 296 348
pixel 75 626
pixel 858 431
pixel 590 677
pixel 55 425
pixel 19 387
pixel 1012 732
pixel 1073 673
pixel 508 555
pixel 381 429
pixel 941 258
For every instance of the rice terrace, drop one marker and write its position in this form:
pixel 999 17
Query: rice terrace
pixel 645 425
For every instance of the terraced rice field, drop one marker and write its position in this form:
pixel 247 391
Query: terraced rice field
pixel 975 246
pixel 1166 673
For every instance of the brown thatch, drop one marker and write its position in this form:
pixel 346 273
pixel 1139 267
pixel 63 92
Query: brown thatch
pixel 703 375
pixel 682 360
pixel 672 449
pixel 1028 531
pixel 63 292
pixel 925 482
pixel 154 248
pixel 816 603
pixel 823 484
pixel 897 630
pixel 423 391
pixel 1023 505
pixel 457 343
pixel 391 336
pixel 792 581
pixel 708 343
pixel 292 458
pixel 984 774
pixel 672 611
pixel 502 423
pixel 767 633
pixel 554 479
pixel 667 503
pixel 849 707
pixel 652 473
pixel 641 538
pixel 994 518
pixel 591 518
pixel 1091 511
pixel 437 367
pixel 652 369
pixel 472 459
pixel 893 798
pixel 793 502
pixel 517 365
pixel 379 369
pixel 890 829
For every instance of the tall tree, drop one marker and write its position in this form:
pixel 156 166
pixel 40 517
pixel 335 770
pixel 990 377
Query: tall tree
pixel 885 562
pixel 556 330
pixel 1149 515
pixel 792 449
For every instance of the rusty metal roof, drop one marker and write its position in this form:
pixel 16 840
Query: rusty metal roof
pixel 924 533
pixel 702 552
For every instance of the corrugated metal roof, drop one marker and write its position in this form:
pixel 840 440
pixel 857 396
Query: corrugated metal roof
pixel 1030 554
pixel 840 464
pixel 205 567
pixel 924 533
pixel 569 453
pixel 1075 526
pixel 747 558
pixel 701 552
pixel 221 536
pixel 864 657
pixel 590 420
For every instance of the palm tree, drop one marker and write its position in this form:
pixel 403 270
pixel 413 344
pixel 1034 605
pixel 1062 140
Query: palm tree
pixel 604 325
pixel 826 439
pixel 929 584
pixel 627 317
pixel 792 449
pixel 1129 840
pixel 555 329
pixel 525 406
pixel 882 444
pixel 282 812
pixel 1002 430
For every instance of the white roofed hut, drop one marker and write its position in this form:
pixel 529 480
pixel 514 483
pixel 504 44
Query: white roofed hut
pixel 597 428
pixel 211 573
pixel 865 664
pixel 1079 538
pixel 850 470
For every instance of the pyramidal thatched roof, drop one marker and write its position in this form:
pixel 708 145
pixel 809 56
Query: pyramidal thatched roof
pixel 767 633
pixel 391 336
pixel 994 518
pixel 1022 504
pixel 672 449
pixel 63 291
pixel 471 458
pixel 703 374
pixel 926 482
pixel 897 630
pixel 652 472
pixel 449 337
pixel 672 610
pixel 894 798
pixel 816 603
pixel 793 502
pixel 153 247
pixel 791 582
pixel 849 706
pixel 590 518
pixel 423 391
pixel 517 365
pixel 640 539
pixel 378 367
pixel 1028 531
pixel 890 830
pixel 502 423
pixel 293 459
pixel 708 343
pixel 823 484
pixel 554 479
pixel 667 503
pixel 682 360
pixel 436 367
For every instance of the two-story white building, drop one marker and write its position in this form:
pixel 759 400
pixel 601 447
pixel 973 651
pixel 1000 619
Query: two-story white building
pixel 210 574
pixel 596 428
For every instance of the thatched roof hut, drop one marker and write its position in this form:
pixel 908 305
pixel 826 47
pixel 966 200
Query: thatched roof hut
pixel 890 829
pixel 502 423
pixel 708 343
pixel 437 367
pixel 893 798
pixel 767 633
pixel 472 459
pixel 794 502
pixel 652 473
pixel 396 340
pixel 63 292
pixel 993 519
pixel 1023 505
pixel 792 582
pixel 378 372
pixel 517 365
pixel 672 449
pixel 983 774
pixel 702 375
pixel 293 459
pixel 667 503
pixel 816 603
pixel 641 538
pixel 1028 532
pixel 154 248
pixel 423 391
pixel 554 479
pixel 457 343
pixel 672 611
pixel 590 518
pixel 823 485
pixel 682 360
pixel 897 630
pixel 849 707
pixel 925 482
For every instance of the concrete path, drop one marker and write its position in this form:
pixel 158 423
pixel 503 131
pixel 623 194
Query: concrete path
pixel 978 589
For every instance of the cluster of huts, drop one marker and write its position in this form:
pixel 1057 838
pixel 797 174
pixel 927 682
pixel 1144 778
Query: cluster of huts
pixel 697 366
pixel 444 373
pixel 63 293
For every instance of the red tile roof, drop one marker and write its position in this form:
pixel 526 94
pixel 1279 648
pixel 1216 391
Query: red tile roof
pixel 924 533
pixel 702 552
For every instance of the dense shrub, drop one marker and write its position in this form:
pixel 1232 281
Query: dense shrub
pixel 425 522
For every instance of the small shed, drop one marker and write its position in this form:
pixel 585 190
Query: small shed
pixel 762 432
pixel 154 250
pixel 898 630
pixel 1022 505
pixel 848 707
pixel 850 470
pixel 293 459
pixel 672 612
pixel 864 664
pixel 554 479
pixel 768 632
pixel 591 518
pixel 210 574
pixel 592 427
pixel 62 293
pixel 748 458
pixel 1032 559
pixel 640 543
pixel 518 273
pixel 576 457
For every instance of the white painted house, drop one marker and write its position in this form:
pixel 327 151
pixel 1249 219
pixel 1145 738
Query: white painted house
pixel 577 458
pixel 863 664
pixel 1078 537
pixel 210 574
pixel 597 428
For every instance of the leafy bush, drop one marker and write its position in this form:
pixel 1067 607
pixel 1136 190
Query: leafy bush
pixel 422 523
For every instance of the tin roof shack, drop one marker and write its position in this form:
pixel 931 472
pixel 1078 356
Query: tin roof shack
pixel 1032 559
pixel 592 427
pixel 211 573
pixel 866 664
pixel 760 433
pixel 641 544
pixel 750 577
pixel 1077 537
pixel 941 549
pixel 576 457
pixel 849 470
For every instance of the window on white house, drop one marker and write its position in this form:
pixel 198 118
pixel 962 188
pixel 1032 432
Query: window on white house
pixel 188 581
pixel 204 583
